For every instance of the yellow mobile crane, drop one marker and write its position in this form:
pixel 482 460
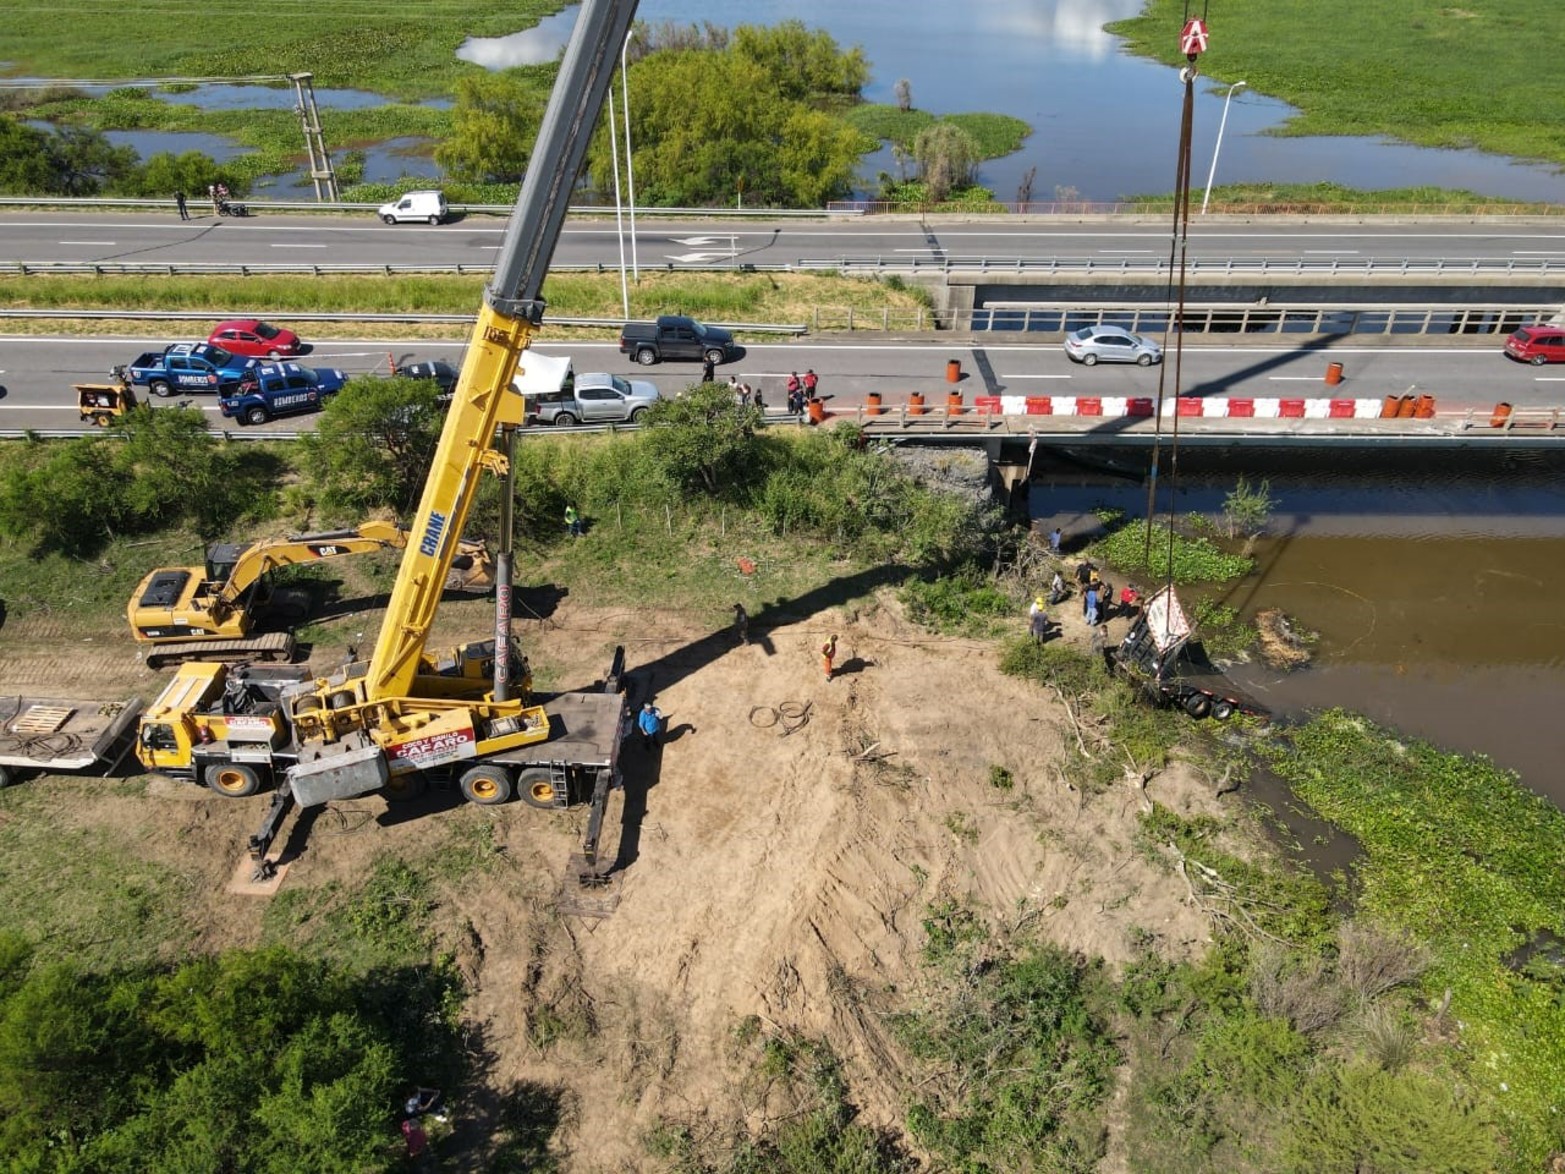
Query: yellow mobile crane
pixel 206 613
pixel 388 721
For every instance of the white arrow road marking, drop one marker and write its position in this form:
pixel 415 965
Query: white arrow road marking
pixel 693 241
pixel 698 258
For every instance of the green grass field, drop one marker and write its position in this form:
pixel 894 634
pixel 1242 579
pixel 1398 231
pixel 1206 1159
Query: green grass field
pixel 350 43
pixel 1427 72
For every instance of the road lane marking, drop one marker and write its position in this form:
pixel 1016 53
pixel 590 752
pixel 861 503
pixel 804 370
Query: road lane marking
pixel 1009 377
pixel 86 242
pixel 301 246
pixel 1294 378
pixel 1129 252
pixel 1329 252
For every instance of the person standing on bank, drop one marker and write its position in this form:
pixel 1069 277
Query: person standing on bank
pixel 741 624
pixel 650 722
pixel 573 521
pixel 810 382
pixel 829 654
pixel 179 202
pixel 708 370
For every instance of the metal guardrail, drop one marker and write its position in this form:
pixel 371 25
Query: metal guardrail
pixel 1444 268
pixel 1226 267
pixel 312 206
pixel 308 316
pixel 1165 207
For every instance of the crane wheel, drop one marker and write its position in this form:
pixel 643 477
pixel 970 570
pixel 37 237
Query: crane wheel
pixel 404 788
pixel 1198 705
pixel 233 780
pixel 1223 710
pixel 537 789
pixel 487 786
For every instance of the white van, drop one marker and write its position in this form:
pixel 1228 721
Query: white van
pixel 428 206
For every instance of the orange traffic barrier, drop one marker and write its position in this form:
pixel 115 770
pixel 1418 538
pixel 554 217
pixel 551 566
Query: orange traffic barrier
pixel 1388 407
pixel 1424 408
pixel 1339 409
pixel 872 404
pixel 1502 414
pixel 1189 407
pixel 1405 408
pixel 954 403
pixel 1241 407
pixel 953 370
pixel 817 410
pixel 915 403
pixel 1291 409
pixel 1040 405
pixel 1333 373
pixel 986 405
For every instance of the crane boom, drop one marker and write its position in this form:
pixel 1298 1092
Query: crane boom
pixel 512 311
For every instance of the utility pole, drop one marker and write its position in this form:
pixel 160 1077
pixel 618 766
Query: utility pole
pixel 321 172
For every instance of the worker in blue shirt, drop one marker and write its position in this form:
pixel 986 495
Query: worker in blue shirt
pixel 650 722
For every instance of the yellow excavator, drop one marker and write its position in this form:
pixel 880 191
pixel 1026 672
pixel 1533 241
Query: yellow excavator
pixel 405 714
pixel 208 613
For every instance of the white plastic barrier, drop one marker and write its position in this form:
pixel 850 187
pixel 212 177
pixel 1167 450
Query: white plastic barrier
pixel 1366 409
pixel 1064 405
pixel 1013 405
pixel 1317 409
pixel 1214 408
pixel 1268 409
pixel 1116 405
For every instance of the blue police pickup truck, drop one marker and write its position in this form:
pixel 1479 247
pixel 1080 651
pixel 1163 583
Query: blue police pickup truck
pixel 280 389
pixel 189 366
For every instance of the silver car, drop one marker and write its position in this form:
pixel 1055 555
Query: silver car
pixel 1110 344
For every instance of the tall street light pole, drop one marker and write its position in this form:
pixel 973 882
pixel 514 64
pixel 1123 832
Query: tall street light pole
pixel 1212 174
pixel 630 166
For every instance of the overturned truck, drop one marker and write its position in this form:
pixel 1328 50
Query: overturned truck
pixel 1163 659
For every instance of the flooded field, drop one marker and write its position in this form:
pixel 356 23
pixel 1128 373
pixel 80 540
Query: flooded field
pixel 1432 581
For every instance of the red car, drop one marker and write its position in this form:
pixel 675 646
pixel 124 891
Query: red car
pixel 1537 344
pixel 247 336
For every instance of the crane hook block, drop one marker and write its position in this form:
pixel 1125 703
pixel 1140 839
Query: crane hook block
pixel 1192 41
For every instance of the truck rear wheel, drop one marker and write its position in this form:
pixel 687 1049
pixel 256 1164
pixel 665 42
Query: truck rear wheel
pixel 565 420
pixel 6 777
pixel 646 356
pixel 1198 705
pixel 161 388
pixel 256 415
pixel 537 788
pixel 487 786
pixel 233 780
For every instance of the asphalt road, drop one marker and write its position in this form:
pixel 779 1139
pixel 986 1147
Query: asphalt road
pixel 36 373
pixel 279 239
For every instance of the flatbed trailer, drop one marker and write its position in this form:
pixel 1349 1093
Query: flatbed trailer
pixel 46 735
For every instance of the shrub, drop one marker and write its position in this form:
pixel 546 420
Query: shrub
pixel 1192 559
pixel 966 601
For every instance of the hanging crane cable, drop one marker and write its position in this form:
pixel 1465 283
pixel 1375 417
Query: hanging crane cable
pixel 1192 42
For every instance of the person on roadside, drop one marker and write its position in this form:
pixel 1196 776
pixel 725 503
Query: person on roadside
pixel 1089 606
pixel 650 723
pixel 828 655
pixel 1084 572
pixel 795 395
pixel 708 370
pixel 741 624
pixel 179 202
pixel 1129 599
pixel 760 404
pixel 745 395
pixel 573 521
pixel 211 191
pixel 810 381
pixel 1055 538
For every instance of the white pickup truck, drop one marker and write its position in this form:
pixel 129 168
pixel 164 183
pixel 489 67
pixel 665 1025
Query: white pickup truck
pixel 556 395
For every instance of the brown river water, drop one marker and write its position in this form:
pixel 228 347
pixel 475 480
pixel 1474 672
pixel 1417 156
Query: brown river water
pixel 1436 583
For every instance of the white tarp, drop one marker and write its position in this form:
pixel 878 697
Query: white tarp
pixel 1166 622
pixel 541 374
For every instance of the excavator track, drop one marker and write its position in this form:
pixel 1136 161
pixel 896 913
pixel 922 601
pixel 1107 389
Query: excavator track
pixel 273 646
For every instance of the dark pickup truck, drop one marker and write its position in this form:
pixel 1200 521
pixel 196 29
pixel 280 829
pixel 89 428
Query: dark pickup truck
pixel 1160 657
pixel 675 337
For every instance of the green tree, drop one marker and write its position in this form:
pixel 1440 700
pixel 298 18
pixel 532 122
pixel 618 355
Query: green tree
pixel 25 164
pixel 946 157
pixel 804 64
pixel 493 125
pixel 704 442
pixel 372 445
pixel 192 173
